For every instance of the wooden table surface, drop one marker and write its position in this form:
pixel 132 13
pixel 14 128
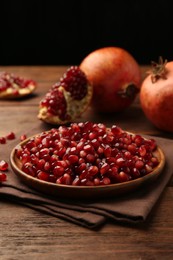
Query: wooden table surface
pixel 28 234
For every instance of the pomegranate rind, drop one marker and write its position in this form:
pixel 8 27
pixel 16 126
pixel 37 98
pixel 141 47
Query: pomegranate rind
pixel 74 108
pixel 21 92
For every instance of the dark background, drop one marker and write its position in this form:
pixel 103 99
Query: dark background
pixel 64 32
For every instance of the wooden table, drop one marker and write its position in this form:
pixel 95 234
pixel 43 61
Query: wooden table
pixel 28 234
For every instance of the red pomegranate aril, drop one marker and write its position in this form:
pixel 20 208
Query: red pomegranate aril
pixel 123 177
pixel 105 181
pixel 3 177
pixel 142 150
pixel 112 156
pixel 95 143
pixel 28 168
pixel 2 140
pixel 76 181
pixel 89 183
pixel 108 151
pixel 11 136
pixel 116 130
pixel 93 170
pixel 3 165
pixel 73 159
pixel 132 148
pixel 41 164
pixel 154 160
pixel 138 140
pixel 23 137
pixel 83 154
pixel 43 176
pixel 58 170
pixel 139 164
pixel 83 174
pixel 120 162
pixel 92 135
pixel 67 179
pixel 82 167
pixel 81 160
pixel 47 166
pixel 90 158
pixel 104 168
pixel 96 181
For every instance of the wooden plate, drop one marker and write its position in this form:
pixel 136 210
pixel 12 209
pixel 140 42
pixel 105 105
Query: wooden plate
pixel 85 192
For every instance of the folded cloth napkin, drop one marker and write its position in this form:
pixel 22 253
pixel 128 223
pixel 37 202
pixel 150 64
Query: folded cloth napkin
pixel 133 208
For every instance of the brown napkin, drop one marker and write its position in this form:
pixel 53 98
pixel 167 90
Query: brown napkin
pixel 134 207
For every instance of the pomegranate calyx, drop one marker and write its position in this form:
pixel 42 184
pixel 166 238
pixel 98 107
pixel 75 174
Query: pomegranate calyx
pixel 128 91
pixel 158 70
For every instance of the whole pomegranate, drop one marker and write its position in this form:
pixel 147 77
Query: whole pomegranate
pixel 156 95
pixel 115 76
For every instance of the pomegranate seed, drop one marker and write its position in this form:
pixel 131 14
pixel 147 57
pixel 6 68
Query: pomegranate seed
pixel 2 140
pixel 58 170
pixel 43 176
pixel 104 168
pixel 11 136
pixel 3 177
pixel 73 159
pixel 87 154
pixel 123 177
pixel 105 181
pixel 3 165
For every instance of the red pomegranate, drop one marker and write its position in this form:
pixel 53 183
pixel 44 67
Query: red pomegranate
pixel 115 76
pixel 156 95
pixel 66 99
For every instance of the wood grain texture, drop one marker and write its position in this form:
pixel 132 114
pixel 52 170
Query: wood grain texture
pixel 28 234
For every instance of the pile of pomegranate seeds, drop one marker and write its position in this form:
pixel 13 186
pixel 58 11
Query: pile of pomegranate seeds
pixel 66 99
pixel 87 154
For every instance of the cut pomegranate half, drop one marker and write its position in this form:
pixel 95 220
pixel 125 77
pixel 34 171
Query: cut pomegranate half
pixel 12 86
pixel 66 99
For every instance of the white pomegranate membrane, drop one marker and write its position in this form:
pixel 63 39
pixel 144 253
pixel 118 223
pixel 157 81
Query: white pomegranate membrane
pixel 87 154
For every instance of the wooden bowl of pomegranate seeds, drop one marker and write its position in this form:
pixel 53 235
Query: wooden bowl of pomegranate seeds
pixel 87 161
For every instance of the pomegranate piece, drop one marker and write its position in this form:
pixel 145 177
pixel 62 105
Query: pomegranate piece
pixel 69 155
pixel 3 165
pixel 66 99
pixel 12 86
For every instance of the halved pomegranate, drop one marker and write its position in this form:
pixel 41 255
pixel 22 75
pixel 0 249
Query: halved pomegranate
pixel 87 154
pixel 66 99
pixel 12 86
